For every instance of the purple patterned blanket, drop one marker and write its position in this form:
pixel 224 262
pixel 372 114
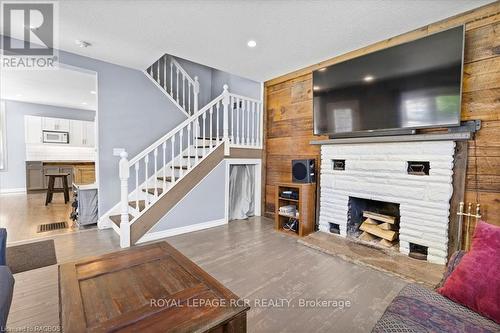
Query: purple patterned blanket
pixel 417 309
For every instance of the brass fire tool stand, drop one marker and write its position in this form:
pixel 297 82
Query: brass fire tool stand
pixel 468 218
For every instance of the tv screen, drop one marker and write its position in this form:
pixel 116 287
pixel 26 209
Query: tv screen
pixel 408 86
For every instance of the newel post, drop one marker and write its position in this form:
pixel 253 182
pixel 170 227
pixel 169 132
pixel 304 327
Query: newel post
pixel 196 92
pixel 225 126
pixel 124 223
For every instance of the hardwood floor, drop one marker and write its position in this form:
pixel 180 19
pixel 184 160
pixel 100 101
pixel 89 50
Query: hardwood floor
pixel 20 214
pixel 253 261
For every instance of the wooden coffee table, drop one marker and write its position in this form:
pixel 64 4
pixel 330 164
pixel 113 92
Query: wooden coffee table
pixel 152 288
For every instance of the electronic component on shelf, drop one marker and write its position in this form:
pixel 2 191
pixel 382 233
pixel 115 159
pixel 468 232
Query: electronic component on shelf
pixel 289 194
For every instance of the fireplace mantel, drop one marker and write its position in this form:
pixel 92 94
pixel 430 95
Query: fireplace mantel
pixel 462 136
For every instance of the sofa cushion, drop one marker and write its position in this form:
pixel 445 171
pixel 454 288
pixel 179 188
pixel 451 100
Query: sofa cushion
pixel 475 282
pixel 6 290
pixel 418 309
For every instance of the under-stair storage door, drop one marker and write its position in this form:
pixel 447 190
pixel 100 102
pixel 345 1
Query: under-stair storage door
pixel 241 191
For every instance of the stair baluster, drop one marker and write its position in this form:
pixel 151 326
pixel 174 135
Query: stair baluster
pixel 177 84
pixel 217 133
pixel 181 171
pixel 184 92
pixel 188 147
pixel 210 137
pixel 172 160
pixel 197 122
pixel 146 179
pixel 136 167
pixel 231 103
pixel 171 79
pixel 204 134
pixel 164 147
pixel 164 72
pixel 237 121
pixel 252 142
pixel 155 154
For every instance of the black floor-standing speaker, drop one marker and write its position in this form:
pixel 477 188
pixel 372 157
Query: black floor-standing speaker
pixel 303 171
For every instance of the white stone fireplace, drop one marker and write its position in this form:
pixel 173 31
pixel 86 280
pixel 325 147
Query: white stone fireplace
pixel 379 171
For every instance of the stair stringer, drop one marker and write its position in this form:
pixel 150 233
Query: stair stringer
pixel 147 220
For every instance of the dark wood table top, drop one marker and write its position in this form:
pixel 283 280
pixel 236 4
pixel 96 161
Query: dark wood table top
pixel 151 288
pixel 57 174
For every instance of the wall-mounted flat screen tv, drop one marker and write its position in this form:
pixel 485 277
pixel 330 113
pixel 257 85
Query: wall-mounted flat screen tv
pixel 408 86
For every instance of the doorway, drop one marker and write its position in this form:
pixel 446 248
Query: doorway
pixel 49 129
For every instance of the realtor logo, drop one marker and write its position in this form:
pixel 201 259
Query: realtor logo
pixel 29 35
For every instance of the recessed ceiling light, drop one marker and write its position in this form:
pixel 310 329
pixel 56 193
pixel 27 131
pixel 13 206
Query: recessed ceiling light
pixel 93 92
pixel 252 43
pixel 84 103
pixel 316 88
pixel 82 43
pixel 368 78
pixel 19 95
pixel 322 69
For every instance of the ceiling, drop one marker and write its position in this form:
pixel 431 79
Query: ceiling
pixel 64 87
pixel 289 34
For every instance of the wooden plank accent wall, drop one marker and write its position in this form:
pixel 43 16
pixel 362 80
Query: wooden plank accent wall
pixel 289 123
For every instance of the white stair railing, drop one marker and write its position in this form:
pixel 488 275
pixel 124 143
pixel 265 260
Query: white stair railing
pixel 176 83
pixel 173 156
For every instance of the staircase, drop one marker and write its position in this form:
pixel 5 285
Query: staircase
pixel 156 179
pixel 176 83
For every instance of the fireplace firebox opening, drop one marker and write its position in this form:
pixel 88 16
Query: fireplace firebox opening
pixel 373 221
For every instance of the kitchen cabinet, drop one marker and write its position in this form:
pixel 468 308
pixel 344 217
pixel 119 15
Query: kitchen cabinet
pixel 84 173
pixel 89 133
pixel 79 173
pixel 33 129
pixel 55 124
pixel 34 176
pixel 76 133
pixel 82 133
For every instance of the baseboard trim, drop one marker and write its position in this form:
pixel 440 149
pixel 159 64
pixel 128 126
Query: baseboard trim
pixel 152 236
pixel 12 190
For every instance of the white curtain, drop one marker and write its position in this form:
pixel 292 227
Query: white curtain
pixel 241 191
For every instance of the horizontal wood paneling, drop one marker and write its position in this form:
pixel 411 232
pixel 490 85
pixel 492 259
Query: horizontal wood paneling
pixel 289 120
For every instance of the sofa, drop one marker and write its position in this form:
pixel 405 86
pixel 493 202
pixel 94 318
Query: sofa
pixel 418 309
pixel 6 282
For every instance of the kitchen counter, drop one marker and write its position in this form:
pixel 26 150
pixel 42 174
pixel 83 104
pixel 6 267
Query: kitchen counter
pixel 80 172
pixel 63 162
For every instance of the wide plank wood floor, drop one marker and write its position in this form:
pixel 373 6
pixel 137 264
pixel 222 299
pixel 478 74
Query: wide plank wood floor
pixel 252 260
pixel 21 214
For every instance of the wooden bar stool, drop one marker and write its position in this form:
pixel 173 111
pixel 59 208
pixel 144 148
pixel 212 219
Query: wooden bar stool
pixel 51 190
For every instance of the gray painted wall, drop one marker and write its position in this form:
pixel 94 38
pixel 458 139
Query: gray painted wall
pixel 237 85
pixel 14 177
pixel 208 198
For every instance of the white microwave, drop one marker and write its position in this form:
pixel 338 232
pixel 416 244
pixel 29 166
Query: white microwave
pixel 55 137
